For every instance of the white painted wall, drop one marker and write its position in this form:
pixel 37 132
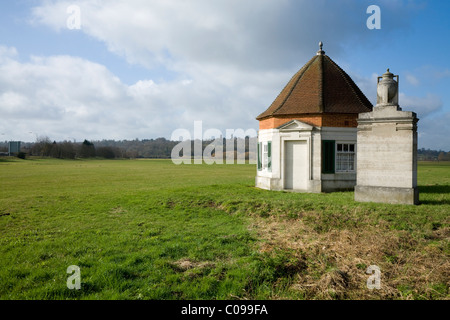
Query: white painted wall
pixel 340 180
pixel 297 158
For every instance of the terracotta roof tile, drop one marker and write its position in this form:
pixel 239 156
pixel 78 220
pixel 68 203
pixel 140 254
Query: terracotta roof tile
pixel 320 86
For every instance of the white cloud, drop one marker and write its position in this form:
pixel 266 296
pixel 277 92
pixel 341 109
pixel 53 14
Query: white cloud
pixel 433 132
pixel 423 106
pixel 231 58
pixel 7 53
pixel 63 96
pixel 433 74
pixel 368 85
pixel 245 33
pixel 12 102
pixel 411 79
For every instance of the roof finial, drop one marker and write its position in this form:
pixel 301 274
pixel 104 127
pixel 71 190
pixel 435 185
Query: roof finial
pixel 320 52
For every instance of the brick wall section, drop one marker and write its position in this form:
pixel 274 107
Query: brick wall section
pixel 340 120
pixel 319 120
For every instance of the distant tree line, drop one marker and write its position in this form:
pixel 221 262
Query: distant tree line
pixel 432 155
pixel 43 147
pixel 159 148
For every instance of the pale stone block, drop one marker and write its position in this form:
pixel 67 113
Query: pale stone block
pixel 387 195
pixel 387 151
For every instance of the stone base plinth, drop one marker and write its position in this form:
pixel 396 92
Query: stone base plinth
pixel 387 195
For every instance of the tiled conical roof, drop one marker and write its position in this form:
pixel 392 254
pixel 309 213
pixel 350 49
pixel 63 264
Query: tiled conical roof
pixel 321 86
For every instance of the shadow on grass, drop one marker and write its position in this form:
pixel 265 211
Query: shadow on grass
pixel 436 190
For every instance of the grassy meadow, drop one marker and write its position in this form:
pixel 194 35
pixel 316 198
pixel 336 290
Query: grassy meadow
pixel 148 229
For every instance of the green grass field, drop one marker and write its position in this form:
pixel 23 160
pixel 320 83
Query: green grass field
pixel 148 229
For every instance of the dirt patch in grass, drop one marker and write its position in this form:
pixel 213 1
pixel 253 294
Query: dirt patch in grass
pixel 186 264
pixel 337 260
pixel 118 210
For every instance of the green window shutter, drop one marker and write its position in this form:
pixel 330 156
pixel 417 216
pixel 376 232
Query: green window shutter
pixel 328 156
pixel 259 156
pixel 269 153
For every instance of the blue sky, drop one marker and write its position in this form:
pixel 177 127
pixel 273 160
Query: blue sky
pixel 142 69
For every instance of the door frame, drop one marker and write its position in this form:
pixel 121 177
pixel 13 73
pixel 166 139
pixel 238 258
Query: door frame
pixel 307 141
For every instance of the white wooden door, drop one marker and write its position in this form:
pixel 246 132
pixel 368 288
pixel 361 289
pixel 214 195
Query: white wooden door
pixel 296 165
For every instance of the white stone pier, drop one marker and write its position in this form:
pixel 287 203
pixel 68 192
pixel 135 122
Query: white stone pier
pixel 387 149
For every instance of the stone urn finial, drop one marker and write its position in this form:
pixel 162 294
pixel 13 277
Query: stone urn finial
pixel 387 89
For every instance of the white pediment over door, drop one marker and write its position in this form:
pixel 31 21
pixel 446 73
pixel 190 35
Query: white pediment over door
pixel 295 125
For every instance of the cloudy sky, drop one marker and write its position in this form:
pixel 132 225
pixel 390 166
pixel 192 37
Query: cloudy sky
pixel 143 68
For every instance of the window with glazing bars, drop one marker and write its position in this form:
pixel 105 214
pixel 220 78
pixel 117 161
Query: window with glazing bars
pixel 345 157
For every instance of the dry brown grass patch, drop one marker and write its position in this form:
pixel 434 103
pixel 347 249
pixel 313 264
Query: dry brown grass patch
pixel 186 264
pixel 336 261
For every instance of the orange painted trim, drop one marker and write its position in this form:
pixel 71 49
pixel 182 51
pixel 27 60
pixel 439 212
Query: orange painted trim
pixel 320 120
